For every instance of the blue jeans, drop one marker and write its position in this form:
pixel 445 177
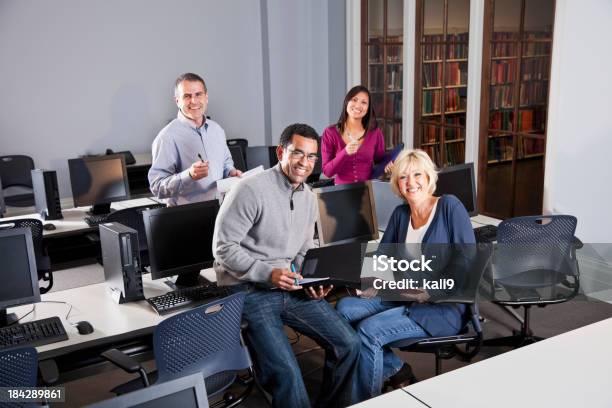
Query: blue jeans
pixel 378 323
pixel 266 312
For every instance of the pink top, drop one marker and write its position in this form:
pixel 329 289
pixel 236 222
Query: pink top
pixel 350 168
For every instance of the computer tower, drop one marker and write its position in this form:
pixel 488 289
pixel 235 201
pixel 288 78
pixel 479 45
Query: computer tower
pixel 121 259
pixel 46 194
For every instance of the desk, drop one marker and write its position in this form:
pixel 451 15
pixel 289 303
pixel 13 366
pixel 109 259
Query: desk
pixel 69 242
pixel 397 398
pixel 128 326
pixel 568 370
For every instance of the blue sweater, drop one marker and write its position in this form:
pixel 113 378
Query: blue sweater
pixel 450 225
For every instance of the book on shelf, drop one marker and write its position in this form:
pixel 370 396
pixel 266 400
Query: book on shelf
pixel 500 97
pixel 456 99
pixel 503 72
pixel 394 54
pixel 530 146
pixel 393 104
pixel 432 75
pixel 429 133
pixel 456 73
pixel 533 93
pixel 393 134
pixel 395 77
pixel 432 102
pixel 500 148
pixel 455 153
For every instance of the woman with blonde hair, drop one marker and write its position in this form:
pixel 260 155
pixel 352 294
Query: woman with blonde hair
pixel 423 219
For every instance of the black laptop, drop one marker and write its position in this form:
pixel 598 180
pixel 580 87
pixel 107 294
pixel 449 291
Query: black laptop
pixel 338 265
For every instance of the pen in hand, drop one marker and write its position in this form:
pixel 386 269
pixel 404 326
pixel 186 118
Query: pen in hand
pixel 295 280
pixel 200 157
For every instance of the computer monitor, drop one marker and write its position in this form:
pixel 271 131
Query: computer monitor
pixel 2 205
pixel 346 213
pixel 459 181
pixel 98 181
pixel 386 202
pixel 258 156
pixel 180 240
pixel 183 392
pixel 237 157
pixel 273 156
pixel 18 271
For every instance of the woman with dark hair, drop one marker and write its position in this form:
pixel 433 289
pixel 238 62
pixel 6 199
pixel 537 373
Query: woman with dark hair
pixel 352 146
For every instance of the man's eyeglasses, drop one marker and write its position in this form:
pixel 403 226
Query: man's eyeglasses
pixel 298 155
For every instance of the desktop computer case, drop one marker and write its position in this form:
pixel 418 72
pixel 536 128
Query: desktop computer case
pixel 46 194
pixel 121 258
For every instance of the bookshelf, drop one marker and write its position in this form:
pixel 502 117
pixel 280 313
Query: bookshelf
pixel 517 48
pixel 382 34
pixel 441 67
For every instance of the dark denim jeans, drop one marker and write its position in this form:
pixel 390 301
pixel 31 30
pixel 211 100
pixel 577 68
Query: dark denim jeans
pixel 378 323
pixel 266 311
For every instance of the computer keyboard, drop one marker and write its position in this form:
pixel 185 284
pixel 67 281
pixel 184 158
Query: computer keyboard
pixel 486 233
pixel 321 183
pixel 186 298
pixel 95 219
pixel 35 333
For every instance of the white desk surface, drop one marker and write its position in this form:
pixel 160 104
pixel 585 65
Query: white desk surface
pixel 568 370
pixel 74 217
pixel 397 398
pixel 93 304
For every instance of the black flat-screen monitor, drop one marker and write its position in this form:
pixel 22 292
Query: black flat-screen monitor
pixel 2 205
pixel 18 271
pixel 386 202
pixel 237 157
pixel 459 181
pixel 259 156
pixel 98 181
pixel 346 213
pixel 183 392
pixel 180 240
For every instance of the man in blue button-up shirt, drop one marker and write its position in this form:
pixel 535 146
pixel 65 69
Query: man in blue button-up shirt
pixel 190 154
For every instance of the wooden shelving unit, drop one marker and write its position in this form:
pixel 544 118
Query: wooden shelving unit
pixel 517 47
pixel 442 32
pixel 382 63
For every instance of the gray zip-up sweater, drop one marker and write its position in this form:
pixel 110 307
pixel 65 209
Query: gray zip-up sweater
pixel 263 224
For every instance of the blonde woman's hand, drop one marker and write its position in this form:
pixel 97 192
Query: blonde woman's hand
pixel 389 167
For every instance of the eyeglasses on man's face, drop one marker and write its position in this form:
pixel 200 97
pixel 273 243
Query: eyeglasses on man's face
pixel 298 155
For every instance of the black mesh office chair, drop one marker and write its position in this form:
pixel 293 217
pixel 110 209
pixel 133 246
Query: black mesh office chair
pixel 15 171
pixel 132 217
pixel 534 264
pixel 447 347
pixel 18 368
pixel 43 263
pixel 204 340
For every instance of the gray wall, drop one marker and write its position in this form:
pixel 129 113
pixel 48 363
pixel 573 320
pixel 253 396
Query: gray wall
pixel 79 76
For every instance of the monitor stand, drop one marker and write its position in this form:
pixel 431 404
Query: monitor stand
pixel 7 318
pixel 98 209
pixel 187 280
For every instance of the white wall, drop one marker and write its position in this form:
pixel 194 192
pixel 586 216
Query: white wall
pixel 579 146
pixel 80 76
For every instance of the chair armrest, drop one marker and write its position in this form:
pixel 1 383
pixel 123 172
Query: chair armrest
pixel 49 372
pixel 122 360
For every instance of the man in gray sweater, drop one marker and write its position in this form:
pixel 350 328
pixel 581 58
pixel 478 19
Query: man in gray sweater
pixel 263 230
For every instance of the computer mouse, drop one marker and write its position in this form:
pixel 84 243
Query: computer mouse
pixel 49 227
pixel 84 327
